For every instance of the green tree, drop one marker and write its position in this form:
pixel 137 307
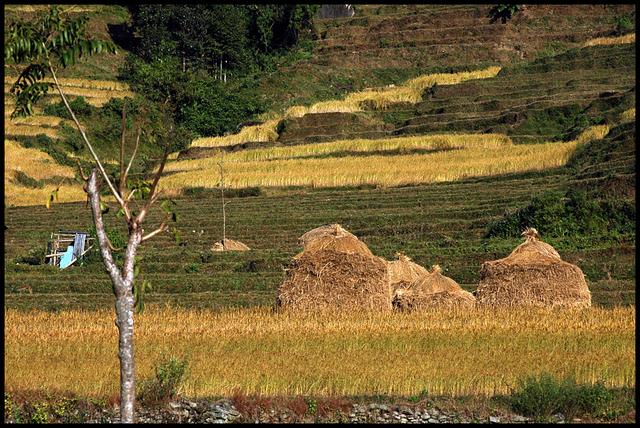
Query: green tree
pixel 504 12
pixel 40 47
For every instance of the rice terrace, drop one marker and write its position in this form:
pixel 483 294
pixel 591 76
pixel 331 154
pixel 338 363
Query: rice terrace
pixel 281 213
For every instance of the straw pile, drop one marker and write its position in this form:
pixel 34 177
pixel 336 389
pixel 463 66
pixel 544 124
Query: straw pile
pixel 533 274
pixel 335 271
pixel 430 290
pixel 229 245
pixel 403 272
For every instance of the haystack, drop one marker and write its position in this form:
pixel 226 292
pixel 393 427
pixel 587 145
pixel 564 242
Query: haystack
pixel 403 272
pixel 533 274
pixel 430 290
pixel 229 245
pixel 335 271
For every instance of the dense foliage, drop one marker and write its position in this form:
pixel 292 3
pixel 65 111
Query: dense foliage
pixel 42 45
pixel 504 12
pixel 203 34
pixel 558 213
pixel 208 58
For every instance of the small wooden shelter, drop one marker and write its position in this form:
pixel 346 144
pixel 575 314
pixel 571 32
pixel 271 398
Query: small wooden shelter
pixel 68 246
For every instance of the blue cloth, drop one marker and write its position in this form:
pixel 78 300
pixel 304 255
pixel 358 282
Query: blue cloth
pixel 67 257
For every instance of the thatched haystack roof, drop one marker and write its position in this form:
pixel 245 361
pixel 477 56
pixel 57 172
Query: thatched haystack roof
pixel 335 272
pixel 403 272
pixel 335 238
pixel 229 245
pixel 533 274
pixel 334 230
pixel 432 289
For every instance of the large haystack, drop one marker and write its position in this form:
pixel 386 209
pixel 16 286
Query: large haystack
pixel 533 274
pixel 403 272
pixel 229 245
pixel 335 271
pixel 430 290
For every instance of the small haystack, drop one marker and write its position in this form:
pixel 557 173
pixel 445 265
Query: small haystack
pixel 335 271
pixel 533 274
pixel 229 245
pixel 432 289
pixel 403 272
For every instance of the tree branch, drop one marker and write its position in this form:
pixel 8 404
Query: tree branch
pixel 135 150
pixel 84 136
pixel 160 229
pixel 154 187
pixel 122 139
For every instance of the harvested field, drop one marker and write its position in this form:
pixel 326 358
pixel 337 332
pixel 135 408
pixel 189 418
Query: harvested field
pixel 375 169
pixel 258 352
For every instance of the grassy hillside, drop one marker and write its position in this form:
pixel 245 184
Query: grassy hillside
pixel 441 223
pixel 549 90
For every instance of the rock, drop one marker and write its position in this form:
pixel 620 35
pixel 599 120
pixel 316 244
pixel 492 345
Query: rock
pixel 494 419
pixel 175 405
pixel 519 418
pixel 433 421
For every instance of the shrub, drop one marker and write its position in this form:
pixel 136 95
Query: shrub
pixel 541 397
pixel 34 257
pixel 166 384
pixel 116 238
pixel 504 12
pixel 575 212
pixel 39 415
pixel 192 267
pixel 25 180
pixel 623 24
pixel 79 105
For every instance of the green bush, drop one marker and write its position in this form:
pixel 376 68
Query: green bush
pixel 27 181
pixel 543 396
pixel 116 238
pixel 166 383
pixel 34 257
pixel 79 105
pixel 192 267
pixel 623 25
pixel 575 212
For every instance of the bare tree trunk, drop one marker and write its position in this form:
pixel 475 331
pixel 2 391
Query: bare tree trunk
pixel 123 290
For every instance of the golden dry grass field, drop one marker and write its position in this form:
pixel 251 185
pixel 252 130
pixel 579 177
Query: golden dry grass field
pixel 476 156
pixel 255 351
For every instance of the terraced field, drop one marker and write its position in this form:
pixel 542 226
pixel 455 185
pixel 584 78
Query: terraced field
pixel 551 99
pixel 441 223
